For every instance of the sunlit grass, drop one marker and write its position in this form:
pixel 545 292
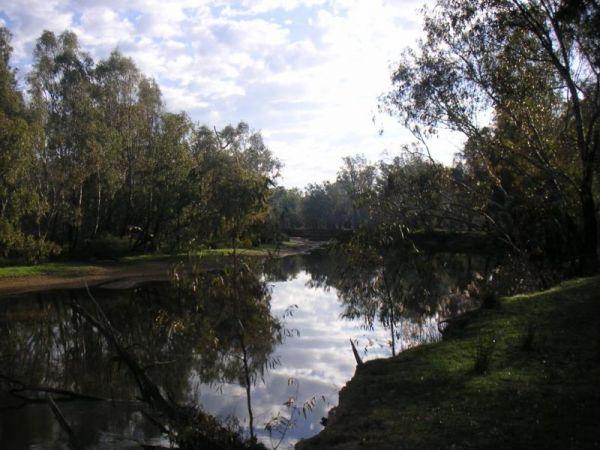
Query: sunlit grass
pixel 67 269
pixel 55 269
pixel 541 395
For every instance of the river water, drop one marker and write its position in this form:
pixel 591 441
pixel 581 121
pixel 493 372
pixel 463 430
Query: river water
pixel 45 344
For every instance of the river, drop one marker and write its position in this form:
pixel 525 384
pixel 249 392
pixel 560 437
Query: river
pixel 189 353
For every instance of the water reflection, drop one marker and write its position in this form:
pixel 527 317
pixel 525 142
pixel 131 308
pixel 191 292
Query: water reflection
pixel 191 336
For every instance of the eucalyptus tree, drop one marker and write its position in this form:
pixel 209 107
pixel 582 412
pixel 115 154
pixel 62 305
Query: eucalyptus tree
pixel 357 177
pixel 327 206
pixel 534 66
pixel 411 193
pixel 95 158
pixel 131 107
pixel 285 206
pixel 230 181
pixel 22 205
pixel 61 88
pixel 117 81
pixel 164 178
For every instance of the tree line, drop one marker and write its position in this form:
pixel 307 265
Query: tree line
pixel 91 162
pixel 520 80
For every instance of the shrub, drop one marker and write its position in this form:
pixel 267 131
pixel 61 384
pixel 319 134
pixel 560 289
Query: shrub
pixel 19 247
pixel 107 246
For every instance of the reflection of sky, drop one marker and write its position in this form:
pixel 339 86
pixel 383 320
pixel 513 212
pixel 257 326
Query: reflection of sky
pixel 320 359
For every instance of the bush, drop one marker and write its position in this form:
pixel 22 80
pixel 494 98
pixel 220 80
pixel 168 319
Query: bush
pixel 107 246
pixel 19 247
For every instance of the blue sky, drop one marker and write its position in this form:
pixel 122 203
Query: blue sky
pixel 306 73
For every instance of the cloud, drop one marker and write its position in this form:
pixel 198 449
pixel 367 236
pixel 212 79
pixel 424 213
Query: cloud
pixel 305 72
pixel 319 360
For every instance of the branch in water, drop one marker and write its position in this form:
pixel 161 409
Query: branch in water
pixel 359 361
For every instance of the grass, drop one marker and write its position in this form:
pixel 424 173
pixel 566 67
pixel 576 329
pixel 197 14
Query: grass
pixel 545 394
pixel 75 268
pixel 66 269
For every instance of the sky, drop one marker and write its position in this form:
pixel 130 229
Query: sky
pixel 319 358
pixel 307 74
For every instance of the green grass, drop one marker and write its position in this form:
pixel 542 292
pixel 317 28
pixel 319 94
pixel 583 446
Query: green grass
pixel 69 269
pixel 66 269
pixel 543 395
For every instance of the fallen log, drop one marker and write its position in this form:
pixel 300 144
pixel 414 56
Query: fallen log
pixel 65 395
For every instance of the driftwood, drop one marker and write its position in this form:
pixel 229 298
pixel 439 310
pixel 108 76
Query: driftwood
pixel 64 424
pixel 359 361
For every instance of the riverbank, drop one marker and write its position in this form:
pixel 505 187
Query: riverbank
pixel 126 271
pixel 521 375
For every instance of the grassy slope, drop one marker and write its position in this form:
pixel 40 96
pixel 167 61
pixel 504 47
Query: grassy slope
pixel 75 268
pixel 430 397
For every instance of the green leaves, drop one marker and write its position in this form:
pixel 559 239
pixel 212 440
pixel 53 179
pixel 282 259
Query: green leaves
pixel 95 154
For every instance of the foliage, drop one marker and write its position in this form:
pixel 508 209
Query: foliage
pixel 93 160
pixel 533 67
pixel 20 247
pixel 107 246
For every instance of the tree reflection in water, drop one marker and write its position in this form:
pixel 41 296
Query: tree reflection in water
pixel 214 327
pixel 201 332
pixel 404 290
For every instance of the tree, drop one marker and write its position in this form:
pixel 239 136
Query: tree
pixel 60 86
pixel 528 62
pixel 20 201
pixel 117 93
pixel 326 206
pixel 94 163
pixel 357 177
pixel 285 207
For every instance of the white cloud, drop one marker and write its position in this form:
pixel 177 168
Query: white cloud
pixel 305 72
pixel 254 7
pixel 100 21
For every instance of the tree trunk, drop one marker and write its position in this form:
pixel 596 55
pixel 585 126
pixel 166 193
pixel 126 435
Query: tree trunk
pixel 248 382
pixel 98 208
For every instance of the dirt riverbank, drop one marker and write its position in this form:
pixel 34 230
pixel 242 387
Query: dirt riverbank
pixel 127 273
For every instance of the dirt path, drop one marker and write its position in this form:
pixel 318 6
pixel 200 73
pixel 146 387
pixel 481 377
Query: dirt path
pixel 121 276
